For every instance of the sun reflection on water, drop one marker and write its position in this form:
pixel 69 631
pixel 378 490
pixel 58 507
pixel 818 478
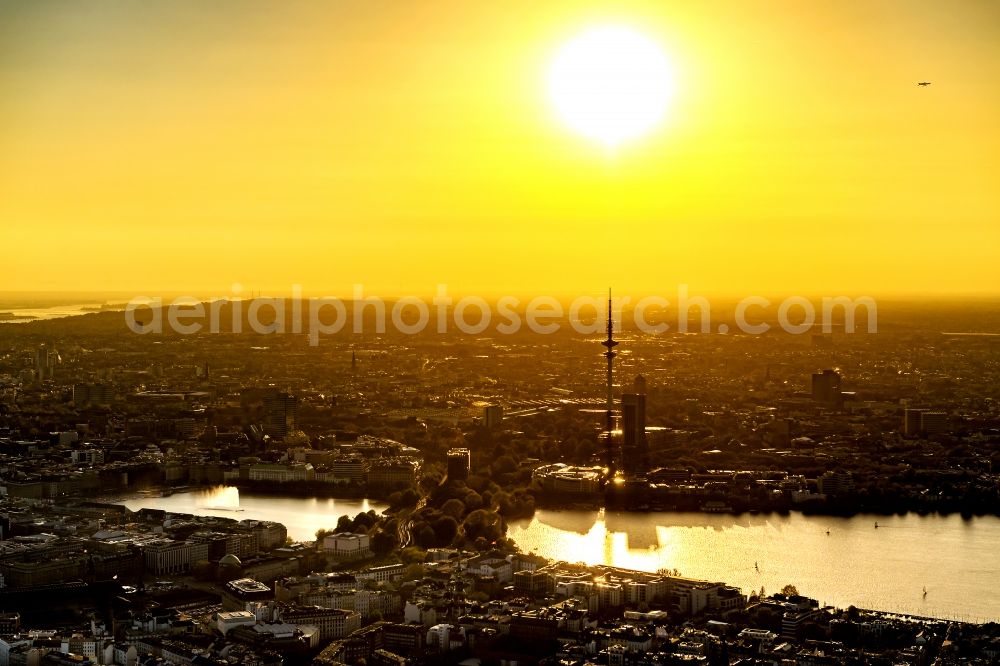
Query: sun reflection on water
pixel 837 560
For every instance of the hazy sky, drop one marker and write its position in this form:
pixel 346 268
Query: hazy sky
pixel 190 145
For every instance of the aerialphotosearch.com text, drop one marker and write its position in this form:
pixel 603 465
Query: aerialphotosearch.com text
pixel 474 315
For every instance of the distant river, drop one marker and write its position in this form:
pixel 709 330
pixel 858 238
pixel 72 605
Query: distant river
pixel 25 315
pixel 302 516
pixel 957 560
pixel 884 568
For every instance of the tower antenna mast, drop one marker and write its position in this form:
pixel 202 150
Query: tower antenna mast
pixel 610 354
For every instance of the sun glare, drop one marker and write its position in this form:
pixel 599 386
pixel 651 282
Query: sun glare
pixel 610 84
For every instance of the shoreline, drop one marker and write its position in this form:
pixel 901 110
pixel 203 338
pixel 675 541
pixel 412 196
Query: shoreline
pixel 811 509
pixel 521 523
pixel 302 491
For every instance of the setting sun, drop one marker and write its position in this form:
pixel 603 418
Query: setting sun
pixel 334 144
pixel 611 84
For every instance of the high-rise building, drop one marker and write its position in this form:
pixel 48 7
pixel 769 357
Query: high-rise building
pixel 835 483
pixel 280 414
pixel 45 362
pixel 492 416
pixel 826 387
pixel 459 464
pixel 911 421
pixel 81 394
pixel 633 425
pixel 934 423
pixel 93 394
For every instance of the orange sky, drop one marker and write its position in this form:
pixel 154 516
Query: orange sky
pixel 191 145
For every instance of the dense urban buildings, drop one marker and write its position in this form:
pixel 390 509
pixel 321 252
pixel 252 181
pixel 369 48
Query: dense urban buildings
pixel 458 439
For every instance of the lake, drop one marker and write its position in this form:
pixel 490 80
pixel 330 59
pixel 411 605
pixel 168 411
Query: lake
pixel 302 516
pixel 884 568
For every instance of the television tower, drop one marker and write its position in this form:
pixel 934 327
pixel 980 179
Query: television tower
pixel 610 354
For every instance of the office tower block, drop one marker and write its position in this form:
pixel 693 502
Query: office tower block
pixel 280 414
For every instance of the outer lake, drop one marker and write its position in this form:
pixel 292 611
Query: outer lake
pixel 884 568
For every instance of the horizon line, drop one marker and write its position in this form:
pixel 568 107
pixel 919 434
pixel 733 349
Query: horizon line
pixel 346 293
